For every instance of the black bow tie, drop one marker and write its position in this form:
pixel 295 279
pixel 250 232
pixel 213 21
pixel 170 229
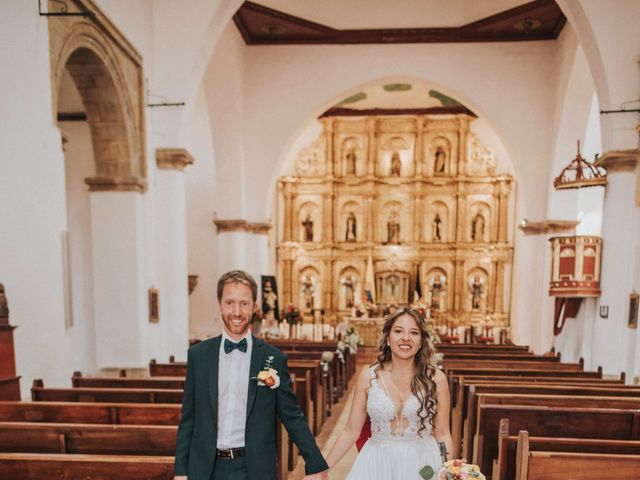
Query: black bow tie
pixel 230 346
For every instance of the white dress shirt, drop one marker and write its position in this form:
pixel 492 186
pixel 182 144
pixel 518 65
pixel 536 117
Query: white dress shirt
pixel 233 388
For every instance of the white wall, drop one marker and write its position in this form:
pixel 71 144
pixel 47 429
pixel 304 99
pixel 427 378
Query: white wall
pixel 79 165
pixel 32 200
pixel 202 238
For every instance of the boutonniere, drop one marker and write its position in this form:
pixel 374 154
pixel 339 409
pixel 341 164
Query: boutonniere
pixel 268 375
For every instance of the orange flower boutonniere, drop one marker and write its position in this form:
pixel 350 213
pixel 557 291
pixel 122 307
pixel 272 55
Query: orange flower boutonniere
pixel 268 375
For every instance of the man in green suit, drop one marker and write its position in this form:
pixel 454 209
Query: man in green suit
pixel 236 385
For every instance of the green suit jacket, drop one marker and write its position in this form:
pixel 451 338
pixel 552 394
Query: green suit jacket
pixel 197 433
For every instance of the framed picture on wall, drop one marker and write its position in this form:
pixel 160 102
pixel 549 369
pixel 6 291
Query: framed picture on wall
pixel 633 310
pixel 154 308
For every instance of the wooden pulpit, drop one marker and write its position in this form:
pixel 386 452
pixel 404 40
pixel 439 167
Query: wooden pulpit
pixel 9 382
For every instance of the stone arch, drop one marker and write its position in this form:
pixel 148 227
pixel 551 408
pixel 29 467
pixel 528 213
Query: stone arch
pixel 108 76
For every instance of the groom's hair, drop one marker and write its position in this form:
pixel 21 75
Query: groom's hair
pixel 238 276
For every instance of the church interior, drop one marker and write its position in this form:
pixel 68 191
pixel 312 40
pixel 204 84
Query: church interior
pixel 476 161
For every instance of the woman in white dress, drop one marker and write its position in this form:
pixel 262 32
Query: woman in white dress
pixel 407 400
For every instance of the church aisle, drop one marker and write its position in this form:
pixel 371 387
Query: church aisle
pixel 328 436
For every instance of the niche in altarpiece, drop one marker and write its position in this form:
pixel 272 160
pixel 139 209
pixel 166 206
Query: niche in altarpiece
pixel 477 283
pixel 439 156
pixel 479 228
pixel 437 223
pixel 349 288
pixel 352 158
pixel 395 158
pixel 350 222
pixel 309 288
pixel 393 223
pixel 309 222
pixel 435 293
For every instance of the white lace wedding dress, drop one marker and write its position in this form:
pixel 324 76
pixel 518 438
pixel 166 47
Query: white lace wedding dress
pixel 395 451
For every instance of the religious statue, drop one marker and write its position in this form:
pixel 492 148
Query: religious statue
pixel 308 229
pixel 439 162
pixel 392 282
pixel 308 291
pixel 393 229
pixel 436 290
pixel 351 162
pixel 350 235
pixel 349 291
pixel 436 235
pixel 4 305
pixel 477 228
pixel 269 300
pixel 396 164
pixel 476 292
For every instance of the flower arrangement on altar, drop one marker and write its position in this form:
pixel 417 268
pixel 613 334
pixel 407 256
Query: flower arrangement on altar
pixel 453 470
pixel 291 314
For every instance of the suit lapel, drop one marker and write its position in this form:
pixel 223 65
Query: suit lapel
pixel 257 362
pixel 213 364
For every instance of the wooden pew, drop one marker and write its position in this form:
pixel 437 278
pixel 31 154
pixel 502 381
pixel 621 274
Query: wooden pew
pixel 504 467
pixel 473 347
pixel 299 368
pixel 94 413
pixel 164 383
pixel 464 385
pixel 326 373
pixel 87 439
pixel 123 395
pixel 545 465
pixel 508 365
pixel 576 422
pixel 517 356
pixel 43 466
pixel 550 401
pixel 464 419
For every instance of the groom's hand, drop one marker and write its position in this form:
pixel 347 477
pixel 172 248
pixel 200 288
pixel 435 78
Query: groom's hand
pixel 180 477
pixel 318 476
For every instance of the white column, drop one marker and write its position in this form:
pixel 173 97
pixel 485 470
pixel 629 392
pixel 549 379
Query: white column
pixel 171 235
pixel 612 342
pixel 120 292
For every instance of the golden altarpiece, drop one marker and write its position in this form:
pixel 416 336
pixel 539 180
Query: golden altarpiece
pixel 414 196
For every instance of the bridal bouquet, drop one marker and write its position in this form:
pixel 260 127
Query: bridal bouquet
pixel 453 470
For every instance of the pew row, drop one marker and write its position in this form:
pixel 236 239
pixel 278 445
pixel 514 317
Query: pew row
pixel 509 446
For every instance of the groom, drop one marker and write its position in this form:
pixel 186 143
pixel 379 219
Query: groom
pixel 236 385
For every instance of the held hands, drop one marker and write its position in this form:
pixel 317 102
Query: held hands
pixel 180 477
pixel 318 476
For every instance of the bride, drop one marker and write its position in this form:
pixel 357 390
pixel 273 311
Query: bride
pixel 407 399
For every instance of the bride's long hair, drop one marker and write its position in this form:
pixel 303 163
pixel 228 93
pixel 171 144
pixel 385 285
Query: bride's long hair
pixel 422 384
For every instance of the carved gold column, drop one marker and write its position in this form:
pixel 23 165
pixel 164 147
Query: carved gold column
pixel 328 286
pixel 503 210
pixel 416 202
pixel 463 132
pixel 498 298
pixel 288 210
pixel 328 218
pixel 286 289
pixel 461 212
pixel 418 154
pixel 372 129
pixel 458 286
pixel 328 134
pixel 368 217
